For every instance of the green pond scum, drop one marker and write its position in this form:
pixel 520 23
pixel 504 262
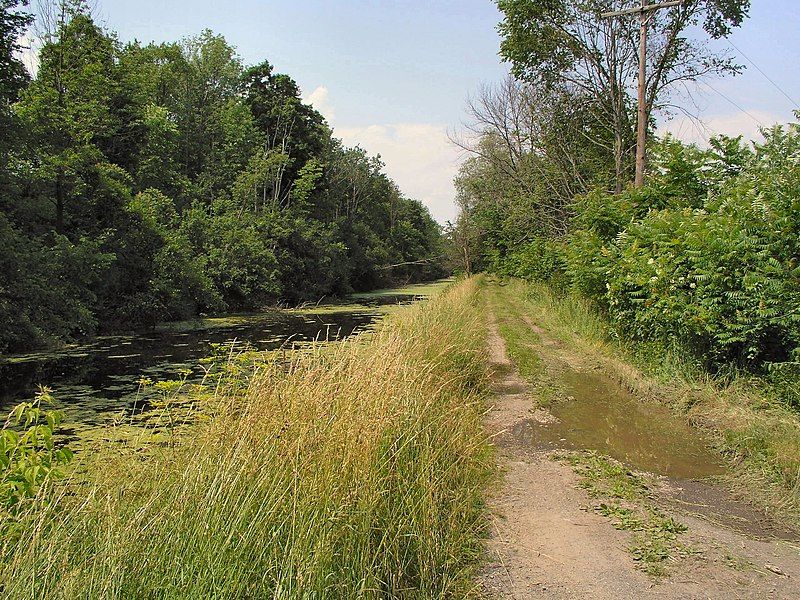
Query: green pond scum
pixel 99 386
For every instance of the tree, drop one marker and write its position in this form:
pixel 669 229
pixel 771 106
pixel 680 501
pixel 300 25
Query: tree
pixel 542 143
pixel 211 79
pixel 147 101
pixel 69 109
pixel 13 76
pixel 566 44
pixel 289 127
pixel 147 183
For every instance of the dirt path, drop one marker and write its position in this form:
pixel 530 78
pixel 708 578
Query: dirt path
pixel 545 544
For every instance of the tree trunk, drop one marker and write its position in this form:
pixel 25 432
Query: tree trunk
pixel 60 200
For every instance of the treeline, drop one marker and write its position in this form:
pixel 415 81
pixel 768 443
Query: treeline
pixel 702 261
pixel 142 183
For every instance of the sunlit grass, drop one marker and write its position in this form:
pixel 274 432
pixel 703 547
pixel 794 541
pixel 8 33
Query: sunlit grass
pixel 521 341
pixel 356 471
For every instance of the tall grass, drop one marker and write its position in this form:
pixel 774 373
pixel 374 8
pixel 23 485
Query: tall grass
pixel 356 474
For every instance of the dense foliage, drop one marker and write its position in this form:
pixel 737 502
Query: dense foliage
pixel 704 258
pixel 141 183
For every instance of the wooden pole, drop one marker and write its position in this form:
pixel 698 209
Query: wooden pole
pixel 641 121
pixel 642 114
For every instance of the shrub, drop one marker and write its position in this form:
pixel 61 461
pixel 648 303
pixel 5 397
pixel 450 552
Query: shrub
pixel 29 458
pixel 540 259
pixel 719 277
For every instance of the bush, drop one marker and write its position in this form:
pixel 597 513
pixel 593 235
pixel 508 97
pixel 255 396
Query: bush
pixel 29 458
pixel 721 280
pixel 587 259
pixel 541 259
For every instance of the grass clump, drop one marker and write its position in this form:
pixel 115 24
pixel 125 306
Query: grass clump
pixel 624 497
pixel 355 471
pixel 521 340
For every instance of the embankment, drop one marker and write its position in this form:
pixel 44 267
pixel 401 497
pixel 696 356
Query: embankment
pixel 357 470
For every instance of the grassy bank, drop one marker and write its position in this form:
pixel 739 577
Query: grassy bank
pixel 759 435
pixel 356 471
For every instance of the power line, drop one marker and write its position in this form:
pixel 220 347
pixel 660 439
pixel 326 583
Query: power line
pixel 734 103
pixel 767 77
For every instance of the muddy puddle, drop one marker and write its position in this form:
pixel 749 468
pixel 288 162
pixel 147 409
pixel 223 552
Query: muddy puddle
pixel 599 414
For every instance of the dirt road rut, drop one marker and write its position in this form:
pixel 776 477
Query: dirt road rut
pixel 546 544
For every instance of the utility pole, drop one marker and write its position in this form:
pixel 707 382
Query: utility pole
pixel 644 11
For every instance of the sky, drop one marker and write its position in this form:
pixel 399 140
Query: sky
pixel 393 75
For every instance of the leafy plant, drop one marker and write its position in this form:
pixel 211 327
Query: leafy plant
pixel 29 458
pixel 704 259
pixel 624 497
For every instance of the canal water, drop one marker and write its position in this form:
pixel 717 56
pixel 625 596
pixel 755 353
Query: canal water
pixel 98 382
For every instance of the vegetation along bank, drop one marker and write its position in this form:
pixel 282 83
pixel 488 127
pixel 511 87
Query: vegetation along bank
pixel 146 183
pixel 354 470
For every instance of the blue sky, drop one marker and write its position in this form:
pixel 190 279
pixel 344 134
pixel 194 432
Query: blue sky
pixel 393 75
pixel 740 105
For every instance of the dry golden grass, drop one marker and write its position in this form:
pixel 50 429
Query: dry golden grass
pixel 355 473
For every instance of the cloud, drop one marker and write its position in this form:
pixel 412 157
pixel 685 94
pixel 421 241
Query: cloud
pixel 733 124
pixel 29 53
pixel 418 156
pixel 319 100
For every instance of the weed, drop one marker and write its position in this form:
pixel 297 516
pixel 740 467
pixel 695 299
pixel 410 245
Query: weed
pixel 737 563
pixel 624 497
pixel 29 460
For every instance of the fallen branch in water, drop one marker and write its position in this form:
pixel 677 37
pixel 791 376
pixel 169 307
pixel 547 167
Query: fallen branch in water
pixel 421 261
